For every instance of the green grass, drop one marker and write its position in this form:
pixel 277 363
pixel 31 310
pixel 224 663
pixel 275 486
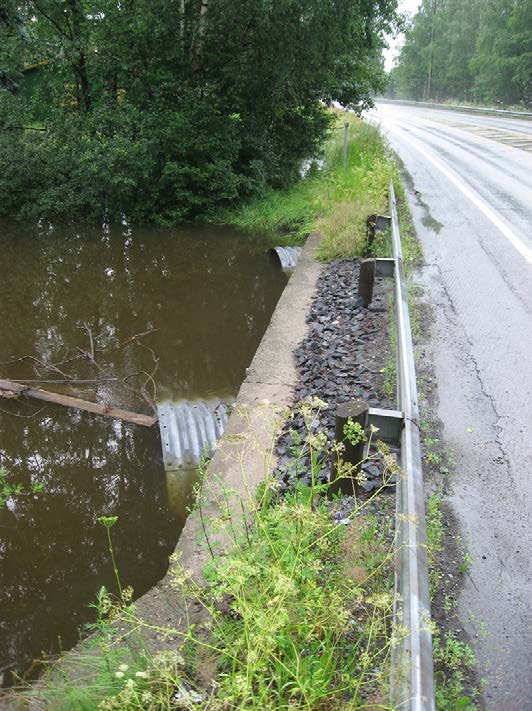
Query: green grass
pixel 306 627
pixel 297 613
pixel 292 212
pixel 465 565
pixel 453 660
pixel 390 368
pixel 329 200
pixel 435 530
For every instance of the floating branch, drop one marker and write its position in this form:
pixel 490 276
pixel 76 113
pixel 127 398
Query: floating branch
pixel 10 389
pixel 91 381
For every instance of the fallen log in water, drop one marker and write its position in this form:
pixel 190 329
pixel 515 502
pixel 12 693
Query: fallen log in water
pixel 11 389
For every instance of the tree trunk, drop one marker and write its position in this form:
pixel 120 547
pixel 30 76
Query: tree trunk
pixel 80 63
pixel 431 59
pixel 200 31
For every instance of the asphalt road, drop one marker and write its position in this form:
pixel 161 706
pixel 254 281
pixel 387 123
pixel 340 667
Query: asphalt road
pixel 471 197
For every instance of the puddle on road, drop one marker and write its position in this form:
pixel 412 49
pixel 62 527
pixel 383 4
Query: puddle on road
pixel 431 223
pixel 209 293
pixel 427 220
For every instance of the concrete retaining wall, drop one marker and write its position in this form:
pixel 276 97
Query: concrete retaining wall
pixel 245 453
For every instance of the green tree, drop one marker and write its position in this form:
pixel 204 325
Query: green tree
pixel 503 61
pixel 12 45
pixel 166 109
pixel 479 50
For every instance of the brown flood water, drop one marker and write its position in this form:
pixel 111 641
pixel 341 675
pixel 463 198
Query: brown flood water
pixel 210 292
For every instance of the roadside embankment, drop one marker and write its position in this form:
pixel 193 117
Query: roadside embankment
pixel 334 201
pixel 278 595
pixel 270 575
pixel 246 453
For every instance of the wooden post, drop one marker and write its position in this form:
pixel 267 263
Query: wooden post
pixel 357 411
pixel 371 223
pixel 346 140
pixel 366 280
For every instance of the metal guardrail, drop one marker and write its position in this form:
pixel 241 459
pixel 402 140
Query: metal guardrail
pixel 526 115
pixel 412 687
pixel 413 681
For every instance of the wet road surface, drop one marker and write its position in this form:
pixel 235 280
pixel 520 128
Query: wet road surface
pixel 471 197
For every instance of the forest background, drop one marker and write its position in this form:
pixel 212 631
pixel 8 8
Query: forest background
pixel 477 51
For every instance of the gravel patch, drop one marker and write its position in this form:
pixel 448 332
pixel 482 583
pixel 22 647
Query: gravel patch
pixel 342 358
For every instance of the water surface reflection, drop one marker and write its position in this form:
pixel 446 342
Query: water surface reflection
pixel 204 296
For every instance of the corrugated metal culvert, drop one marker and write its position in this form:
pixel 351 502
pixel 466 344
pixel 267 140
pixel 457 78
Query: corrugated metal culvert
pixel 288 256
pixel 189 431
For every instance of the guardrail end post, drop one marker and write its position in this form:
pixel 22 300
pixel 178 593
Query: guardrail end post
pixel 366 281
pixel 357 411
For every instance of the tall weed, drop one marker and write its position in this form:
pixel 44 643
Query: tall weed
pixel 296 614
pixel 328 199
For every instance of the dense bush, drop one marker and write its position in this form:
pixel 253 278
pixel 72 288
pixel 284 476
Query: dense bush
pixel 165 110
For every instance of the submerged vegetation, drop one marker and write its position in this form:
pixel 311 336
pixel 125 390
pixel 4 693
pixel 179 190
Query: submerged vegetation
pixel 9 491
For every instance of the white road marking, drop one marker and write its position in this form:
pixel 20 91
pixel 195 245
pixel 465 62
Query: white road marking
pixel 516 241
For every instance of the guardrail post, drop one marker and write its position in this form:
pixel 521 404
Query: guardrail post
pixel 383 223
pixel 371 222
pixel 357 411
pixel 374 224
pixel 366 281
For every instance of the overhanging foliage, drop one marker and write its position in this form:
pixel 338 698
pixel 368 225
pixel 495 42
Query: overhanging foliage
pixel 163 110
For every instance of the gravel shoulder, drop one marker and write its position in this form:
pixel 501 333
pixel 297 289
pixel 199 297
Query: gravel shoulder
pixel 343 357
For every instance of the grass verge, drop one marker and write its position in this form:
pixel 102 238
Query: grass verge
pixel 454 659
pixel 328 199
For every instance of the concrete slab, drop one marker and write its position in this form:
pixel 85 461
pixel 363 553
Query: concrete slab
pixel 273 363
